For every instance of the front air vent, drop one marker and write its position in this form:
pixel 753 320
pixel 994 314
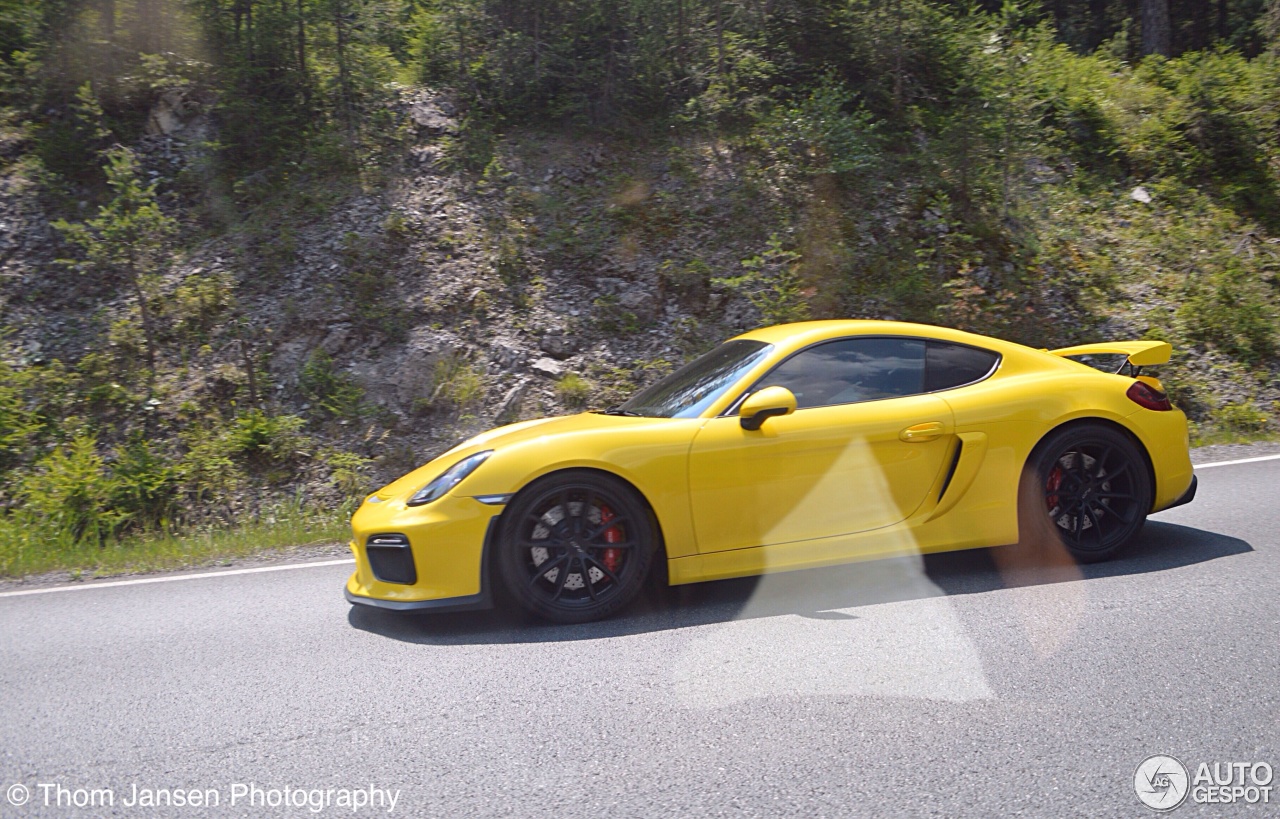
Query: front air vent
pixel 391 559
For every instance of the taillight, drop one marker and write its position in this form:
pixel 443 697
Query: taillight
pixel 1144 395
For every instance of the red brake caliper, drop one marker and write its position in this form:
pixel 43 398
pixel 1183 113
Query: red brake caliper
pixel 611 557
pixel 1051 485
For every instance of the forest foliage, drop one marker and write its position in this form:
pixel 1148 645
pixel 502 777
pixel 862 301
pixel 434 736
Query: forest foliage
pixel 990 165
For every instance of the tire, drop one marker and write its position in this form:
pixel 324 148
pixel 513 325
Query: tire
pixel 1085 490
pixel 560 558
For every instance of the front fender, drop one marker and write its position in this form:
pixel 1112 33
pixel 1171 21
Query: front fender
pixel 651 454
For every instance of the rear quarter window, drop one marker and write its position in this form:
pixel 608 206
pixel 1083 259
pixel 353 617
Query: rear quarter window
pixel 948 366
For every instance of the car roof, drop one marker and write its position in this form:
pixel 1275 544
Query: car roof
pixel 803 333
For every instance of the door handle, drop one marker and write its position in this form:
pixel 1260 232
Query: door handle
pixel 920 433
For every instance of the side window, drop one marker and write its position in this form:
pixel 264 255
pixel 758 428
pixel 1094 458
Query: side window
pixel 954 365
pixel 850 370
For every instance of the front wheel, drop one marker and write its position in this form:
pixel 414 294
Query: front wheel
pixel 575 547
pixel 1085 489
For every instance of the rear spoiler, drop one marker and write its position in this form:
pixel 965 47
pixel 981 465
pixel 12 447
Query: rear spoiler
pixel 1138 353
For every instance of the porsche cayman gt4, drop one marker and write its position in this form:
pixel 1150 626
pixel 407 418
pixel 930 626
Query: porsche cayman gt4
pixel 789 447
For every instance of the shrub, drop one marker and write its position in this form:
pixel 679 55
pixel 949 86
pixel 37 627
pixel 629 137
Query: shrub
pixel 332 392
pixel 1234 313
pixel 144 486
pixel 267 438
pixel 573 390
pixel 456 384
pixel 197 303
pixel 771 282
pixel 72 490
pixel 825 132
pixel 395 229
pixel 368 284
pixel 1245 418
pixel 209 471
pixel 349 472
pixel 611 317
pixel 471 146
pixel 18 423
pixel 690 282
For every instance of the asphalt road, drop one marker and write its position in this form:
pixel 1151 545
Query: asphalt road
pixel 954 685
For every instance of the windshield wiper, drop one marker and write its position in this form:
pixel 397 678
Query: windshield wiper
pixel 618 410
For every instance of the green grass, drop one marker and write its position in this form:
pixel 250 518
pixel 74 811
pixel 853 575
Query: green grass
pixel 27 549
pixel 1212 435
pixel 573 390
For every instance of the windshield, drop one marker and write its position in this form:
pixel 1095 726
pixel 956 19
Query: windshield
pixel 688 391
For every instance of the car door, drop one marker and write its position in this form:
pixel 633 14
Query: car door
pixel 860 452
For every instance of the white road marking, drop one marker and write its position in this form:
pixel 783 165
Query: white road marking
pixel 1198 467
pixel 171 578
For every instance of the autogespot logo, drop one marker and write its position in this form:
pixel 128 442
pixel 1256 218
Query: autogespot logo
pixel 1161 782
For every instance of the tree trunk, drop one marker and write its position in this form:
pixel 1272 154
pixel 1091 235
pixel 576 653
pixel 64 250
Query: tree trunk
pixel 107 20
pixel 1157 28
pixel 1097 30
pixel 680 37
pixel 897 58
pixel 249 369
pixel 148 330
pixel 1222 20
pixel 107 31
pixel 720 38
pixel 462 45
pixel 149 24
pixel 302 54
pixel 1199 26
pixel 537 46
pixel 248 30
pixel 340 53
pixel 340 28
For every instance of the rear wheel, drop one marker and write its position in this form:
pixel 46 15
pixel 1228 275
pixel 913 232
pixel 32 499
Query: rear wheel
pixel 576 547
pixel 1085 489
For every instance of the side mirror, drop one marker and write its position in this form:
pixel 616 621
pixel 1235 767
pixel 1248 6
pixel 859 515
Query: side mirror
pixel 765 404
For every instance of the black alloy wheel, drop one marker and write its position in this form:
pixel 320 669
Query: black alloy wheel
pixel 575 547
pixel 1088 490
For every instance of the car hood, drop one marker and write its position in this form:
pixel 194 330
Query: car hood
pixel 502 437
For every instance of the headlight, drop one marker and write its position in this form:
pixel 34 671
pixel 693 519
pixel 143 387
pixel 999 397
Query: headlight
pixel 450 478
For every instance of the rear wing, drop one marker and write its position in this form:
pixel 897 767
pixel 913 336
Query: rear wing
pixel 1138 353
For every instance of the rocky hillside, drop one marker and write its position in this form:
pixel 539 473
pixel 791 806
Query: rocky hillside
pixel 401 315
pixel 206 321
pixel 375 325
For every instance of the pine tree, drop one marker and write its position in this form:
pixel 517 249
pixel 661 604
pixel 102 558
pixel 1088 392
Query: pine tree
pixel 130 238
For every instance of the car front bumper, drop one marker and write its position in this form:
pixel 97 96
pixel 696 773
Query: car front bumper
pixel 443 566
pixel 473 602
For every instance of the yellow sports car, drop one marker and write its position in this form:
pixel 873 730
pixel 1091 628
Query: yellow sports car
pixel 790 447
